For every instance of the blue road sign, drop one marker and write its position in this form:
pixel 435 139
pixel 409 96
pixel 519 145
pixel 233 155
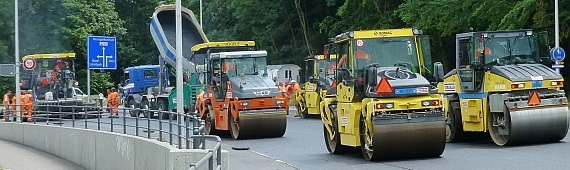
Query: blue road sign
pixel 558 53
pixel 102 52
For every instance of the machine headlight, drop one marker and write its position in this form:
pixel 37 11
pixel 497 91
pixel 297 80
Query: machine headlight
pixel 529 33
pixel 431 103
pixel 384 105
pixel 517 85
pixel 556 83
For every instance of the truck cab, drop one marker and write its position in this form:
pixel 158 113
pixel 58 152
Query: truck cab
pixel 139 78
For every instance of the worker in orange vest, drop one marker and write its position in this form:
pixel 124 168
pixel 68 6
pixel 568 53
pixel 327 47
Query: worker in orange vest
pixel 6 102
pixel 27 106
pixel 109 101
pixel 114 102
pixel 199 97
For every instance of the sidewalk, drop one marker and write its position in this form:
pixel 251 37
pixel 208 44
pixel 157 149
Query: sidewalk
pixel 14 156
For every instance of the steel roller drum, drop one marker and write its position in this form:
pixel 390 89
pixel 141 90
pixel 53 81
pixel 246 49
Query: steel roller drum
pixel 259 125
pixel 544 124
pixel 409 140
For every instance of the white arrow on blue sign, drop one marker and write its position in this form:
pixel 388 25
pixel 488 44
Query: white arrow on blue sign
pixel 557 54
pixel 101 52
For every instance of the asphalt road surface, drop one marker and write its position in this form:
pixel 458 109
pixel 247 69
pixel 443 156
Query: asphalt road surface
pixel 303 147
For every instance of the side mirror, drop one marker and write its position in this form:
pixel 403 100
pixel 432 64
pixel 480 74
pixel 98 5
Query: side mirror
pixel 438 71
pixel 371 76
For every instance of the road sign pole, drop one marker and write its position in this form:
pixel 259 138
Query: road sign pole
pixel 17 56
pixel 102 55
pixel 89 86
pixel 179 58
pixel 556 30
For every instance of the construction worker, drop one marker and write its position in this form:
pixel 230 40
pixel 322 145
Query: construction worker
pixel 109 101
pixel 114 102
pixel 24 104
pixel 295 88
pixel 27 105
pixel 6 102
pixel 14 106
pixel 199 97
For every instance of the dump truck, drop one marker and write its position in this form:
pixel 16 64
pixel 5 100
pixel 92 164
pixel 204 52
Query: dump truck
pixel 53 85
pixel 319 77
pixel 241 98
pixel 150 88
pixel 383 104
pixel 153 96
pixel 500 85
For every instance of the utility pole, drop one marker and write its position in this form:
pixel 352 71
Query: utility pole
pixel 201 15
pixel 17 59
pixel 556 30
pixel 179 58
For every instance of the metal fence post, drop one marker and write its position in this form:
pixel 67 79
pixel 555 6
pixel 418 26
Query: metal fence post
pixel 137 123
pixel 149 114
pixel 160 124
pixel 112 117
pixel 179 121
pixel 170 126
pixel 124 120
pixel 186 124
pixel 73 116
pixel 211 160
pixel 85 115
pixel 195 131
pixel 203 139
pixel 98 119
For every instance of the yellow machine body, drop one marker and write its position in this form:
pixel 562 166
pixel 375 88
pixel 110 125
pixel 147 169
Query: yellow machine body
pixel 407 121
pixel 319 76
pixel 498 97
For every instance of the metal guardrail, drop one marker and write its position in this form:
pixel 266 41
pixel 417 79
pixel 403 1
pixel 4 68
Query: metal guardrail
pixel 179 131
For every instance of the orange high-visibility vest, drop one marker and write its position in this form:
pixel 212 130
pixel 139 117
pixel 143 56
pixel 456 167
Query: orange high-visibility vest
pixel 6 100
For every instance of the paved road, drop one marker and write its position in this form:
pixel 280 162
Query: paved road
pixel 14 156
pixel 303 147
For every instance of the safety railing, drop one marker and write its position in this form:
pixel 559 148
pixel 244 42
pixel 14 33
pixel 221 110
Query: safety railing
pixel 185 131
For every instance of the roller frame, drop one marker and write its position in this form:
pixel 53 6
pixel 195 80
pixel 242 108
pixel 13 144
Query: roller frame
pixel 533 124
pixel 266 123
pixel 399 134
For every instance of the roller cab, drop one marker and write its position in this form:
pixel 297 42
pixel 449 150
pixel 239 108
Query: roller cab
pixel 241 99
pixel 383 104
pixel 501 86
pixel 319 77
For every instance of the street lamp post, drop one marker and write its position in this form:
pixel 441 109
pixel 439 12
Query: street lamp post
pixel 16 58
pixel 556 30
pixel 179 58
pixel 202 26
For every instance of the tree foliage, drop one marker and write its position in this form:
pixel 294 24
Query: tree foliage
pixel 288 30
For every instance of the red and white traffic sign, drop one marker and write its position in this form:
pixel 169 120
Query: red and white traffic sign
pixel 29 63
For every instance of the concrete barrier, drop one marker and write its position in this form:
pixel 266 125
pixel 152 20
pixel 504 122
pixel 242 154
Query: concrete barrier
pixel 101 150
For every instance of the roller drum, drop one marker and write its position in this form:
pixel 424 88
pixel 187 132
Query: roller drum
pixel 409 140
pixel 543 124
pixel 259 125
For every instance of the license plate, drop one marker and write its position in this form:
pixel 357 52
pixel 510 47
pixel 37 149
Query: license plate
pixel 536 84
pixel 406 91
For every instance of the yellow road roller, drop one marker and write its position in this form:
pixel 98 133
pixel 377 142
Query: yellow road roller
pixel 383 105
pixel 319 77
pixel 500 85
